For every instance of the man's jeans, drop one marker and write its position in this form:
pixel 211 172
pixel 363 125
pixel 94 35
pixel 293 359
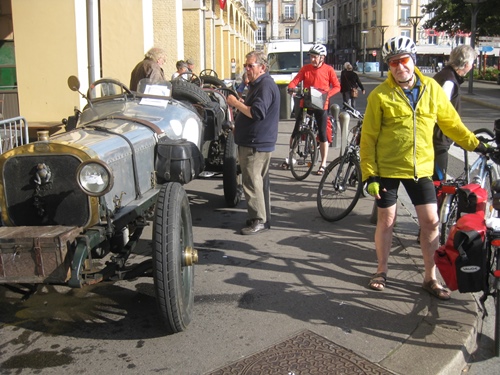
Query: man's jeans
pixel 254 166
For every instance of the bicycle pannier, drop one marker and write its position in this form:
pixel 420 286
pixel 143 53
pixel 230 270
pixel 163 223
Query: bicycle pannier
pixel 462 260
pixel 354 93
pixel 471 198
pixel 314 98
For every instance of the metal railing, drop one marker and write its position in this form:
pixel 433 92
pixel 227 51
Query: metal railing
pixel 13 133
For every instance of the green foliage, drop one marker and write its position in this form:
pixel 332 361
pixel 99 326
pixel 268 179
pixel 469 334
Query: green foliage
pixel 490 74
pixel 453 16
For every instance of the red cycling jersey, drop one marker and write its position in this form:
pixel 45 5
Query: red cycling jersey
pixel 323 78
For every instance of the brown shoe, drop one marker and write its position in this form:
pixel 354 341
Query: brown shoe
pixel 433 287
pixel 256 226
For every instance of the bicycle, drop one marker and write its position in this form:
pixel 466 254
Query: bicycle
pixel 341 185
pixel 482 171
pixel 304 148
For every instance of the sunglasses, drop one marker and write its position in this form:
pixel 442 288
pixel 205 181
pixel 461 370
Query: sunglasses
pixel 403 60
pixel 250 66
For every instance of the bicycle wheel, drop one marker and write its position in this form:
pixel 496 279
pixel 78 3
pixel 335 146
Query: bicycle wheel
pixel 340 188
pixel 490 176
pixel 496 297
pixel 448 219
pixel 303 154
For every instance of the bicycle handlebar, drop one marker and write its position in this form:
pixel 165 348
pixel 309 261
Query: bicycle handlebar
pixel 353 111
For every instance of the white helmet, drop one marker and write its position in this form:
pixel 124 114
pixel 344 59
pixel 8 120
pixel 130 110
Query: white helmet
pixel 318 49
pixel 398 46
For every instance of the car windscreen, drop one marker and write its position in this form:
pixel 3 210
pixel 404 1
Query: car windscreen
pixel 286 62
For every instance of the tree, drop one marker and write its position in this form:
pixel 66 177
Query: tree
pixel 449 16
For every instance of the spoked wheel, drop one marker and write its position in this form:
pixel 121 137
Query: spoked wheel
pixel 339 189
pixel 448 217
pixel 209 72
pixel 303 154
pixel 231 175
pixel 190 77
pixel 173 257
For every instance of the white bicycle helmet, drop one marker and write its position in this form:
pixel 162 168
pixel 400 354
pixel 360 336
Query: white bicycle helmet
pixel 398 46
pixel 318 49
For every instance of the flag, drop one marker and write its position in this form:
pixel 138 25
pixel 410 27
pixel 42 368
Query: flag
pixel 222 4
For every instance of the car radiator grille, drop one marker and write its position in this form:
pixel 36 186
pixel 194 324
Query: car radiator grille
pixel 55 200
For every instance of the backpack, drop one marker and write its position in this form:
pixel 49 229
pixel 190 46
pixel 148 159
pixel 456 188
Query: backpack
pixel 462 259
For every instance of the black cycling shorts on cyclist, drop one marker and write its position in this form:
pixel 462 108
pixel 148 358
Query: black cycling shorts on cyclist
pixel 321 76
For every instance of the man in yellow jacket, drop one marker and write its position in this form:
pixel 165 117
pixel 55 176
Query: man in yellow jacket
pixel 396 147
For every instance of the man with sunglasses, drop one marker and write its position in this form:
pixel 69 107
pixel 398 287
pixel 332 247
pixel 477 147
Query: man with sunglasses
pixel 396 147
pixel 256 133
pixel 321 76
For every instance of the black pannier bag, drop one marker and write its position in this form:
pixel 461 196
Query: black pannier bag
pixel 178 161
pixel 471 198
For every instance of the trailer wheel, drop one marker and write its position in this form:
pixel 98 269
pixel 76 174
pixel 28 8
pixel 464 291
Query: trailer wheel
pixel 173 257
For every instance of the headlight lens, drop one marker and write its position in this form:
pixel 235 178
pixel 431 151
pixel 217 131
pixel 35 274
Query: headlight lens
pixel 94 178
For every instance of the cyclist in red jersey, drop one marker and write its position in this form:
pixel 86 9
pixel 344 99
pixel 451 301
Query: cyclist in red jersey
pixel 321 76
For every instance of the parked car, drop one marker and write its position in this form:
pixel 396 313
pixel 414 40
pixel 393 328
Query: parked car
pixel 74 205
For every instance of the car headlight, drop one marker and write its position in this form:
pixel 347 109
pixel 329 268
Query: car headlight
pixel 191 131
pixel 94 177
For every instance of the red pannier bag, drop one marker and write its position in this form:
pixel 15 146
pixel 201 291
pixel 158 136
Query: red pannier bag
pixel 462 259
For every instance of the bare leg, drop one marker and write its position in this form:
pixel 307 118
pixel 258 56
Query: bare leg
pixel 386 217
pixel 323 149
pixel 429 232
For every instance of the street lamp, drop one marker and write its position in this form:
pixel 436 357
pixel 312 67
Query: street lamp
pixel 364 32
pixel 474 11
pixel 382 30
pixel 414 21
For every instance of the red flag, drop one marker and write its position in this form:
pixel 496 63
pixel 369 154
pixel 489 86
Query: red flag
pixel 222 4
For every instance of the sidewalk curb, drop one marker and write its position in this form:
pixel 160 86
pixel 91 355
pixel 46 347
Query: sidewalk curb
pixel 445 358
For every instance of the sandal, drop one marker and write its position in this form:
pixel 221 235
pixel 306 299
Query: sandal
pixel 433 287
pixel 320 171
pixel 378 281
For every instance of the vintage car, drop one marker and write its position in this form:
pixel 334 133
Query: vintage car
pixel 74 204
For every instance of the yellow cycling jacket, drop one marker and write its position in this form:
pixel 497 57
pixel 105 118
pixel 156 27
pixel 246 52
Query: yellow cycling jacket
pixel 396 141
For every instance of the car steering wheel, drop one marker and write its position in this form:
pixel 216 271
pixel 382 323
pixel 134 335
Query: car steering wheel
pixel 107 81
pixel 190 77
pixel 209 72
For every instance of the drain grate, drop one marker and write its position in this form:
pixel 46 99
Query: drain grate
pixel 303 354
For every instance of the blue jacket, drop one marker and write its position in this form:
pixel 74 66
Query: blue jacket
pixel 260 131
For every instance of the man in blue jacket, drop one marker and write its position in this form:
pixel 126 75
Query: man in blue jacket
pixel 256 133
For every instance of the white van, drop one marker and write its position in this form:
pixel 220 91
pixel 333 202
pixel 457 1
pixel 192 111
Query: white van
pixel 283 56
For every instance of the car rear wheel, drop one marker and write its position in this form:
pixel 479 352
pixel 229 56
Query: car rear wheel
pixel 231 178
pixel 173 257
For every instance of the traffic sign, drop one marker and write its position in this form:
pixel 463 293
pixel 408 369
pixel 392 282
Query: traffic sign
pixel 486 49
pixel 374 53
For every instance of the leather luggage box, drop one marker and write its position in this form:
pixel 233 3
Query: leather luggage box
pixel 36 254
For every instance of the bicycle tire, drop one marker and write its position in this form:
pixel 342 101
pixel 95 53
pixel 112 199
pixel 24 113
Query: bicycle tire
pixel 302 156
pixel 335 201
pixel 450 221
pixel 496 298
pixel 490 176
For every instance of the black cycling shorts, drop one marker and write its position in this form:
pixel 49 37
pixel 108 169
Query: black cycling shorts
pixel 420 192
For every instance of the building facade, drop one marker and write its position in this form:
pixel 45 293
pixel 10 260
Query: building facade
pixel 42 43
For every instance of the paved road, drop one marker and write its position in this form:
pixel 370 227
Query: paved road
pixel 252 292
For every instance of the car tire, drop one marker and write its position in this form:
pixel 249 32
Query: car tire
pixel 231 177
pixel 172 240
pixel 183 90
pixel 212 82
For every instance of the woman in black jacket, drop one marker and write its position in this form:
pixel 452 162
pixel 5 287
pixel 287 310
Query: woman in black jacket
pixel 349 80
